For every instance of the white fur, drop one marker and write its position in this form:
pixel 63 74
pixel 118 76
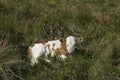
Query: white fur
pixel 55 44
pixel 71 42
pixel 37 50
pixel 63 56
pixel 47 60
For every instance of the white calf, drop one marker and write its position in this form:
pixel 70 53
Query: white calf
pixel 54 47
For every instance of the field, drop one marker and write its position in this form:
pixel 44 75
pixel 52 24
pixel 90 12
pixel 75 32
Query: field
pixel 24 22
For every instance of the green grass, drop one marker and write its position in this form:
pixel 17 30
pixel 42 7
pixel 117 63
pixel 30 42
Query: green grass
pixel 24 22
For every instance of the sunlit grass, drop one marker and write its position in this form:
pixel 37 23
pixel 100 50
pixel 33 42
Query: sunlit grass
pixel 23 22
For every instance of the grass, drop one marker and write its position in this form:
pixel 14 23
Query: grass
pixel 24 22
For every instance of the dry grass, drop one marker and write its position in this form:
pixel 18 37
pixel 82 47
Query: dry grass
pixel 23 22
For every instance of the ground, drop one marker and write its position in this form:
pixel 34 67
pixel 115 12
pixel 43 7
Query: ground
pixel 24 22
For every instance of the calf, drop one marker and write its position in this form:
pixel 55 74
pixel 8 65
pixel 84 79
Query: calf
pixel 53 47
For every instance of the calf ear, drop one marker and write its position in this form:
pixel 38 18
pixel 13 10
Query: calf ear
pixel 62 40
pixel 80 39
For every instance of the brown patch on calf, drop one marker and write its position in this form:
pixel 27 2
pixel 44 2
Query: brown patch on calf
pixel 43 42
pixel 48 46
pixel 61 50
pixel 62 40
pixel 30 56
pixel 53 46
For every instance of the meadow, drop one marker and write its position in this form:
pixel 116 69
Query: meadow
pixel 24 22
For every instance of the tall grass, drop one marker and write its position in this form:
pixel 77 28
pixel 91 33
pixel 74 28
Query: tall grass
pixel 23 22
